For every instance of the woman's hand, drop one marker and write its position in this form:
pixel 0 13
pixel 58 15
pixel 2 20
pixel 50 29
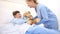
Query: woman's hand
pixel 37 20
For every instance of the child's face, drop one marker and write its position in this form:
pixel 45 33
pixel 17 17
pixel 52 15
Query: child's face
pixel 30 4
pixel 18 15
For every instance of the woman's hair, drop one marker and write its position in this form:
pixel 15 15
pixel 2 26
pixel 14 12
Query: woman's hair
pixel 35 1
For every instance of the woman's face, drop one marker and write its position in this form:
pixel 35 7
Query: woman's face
pixel 30 4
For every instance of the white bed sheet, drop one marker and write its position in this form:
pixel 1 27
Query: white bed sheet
pixel 15 29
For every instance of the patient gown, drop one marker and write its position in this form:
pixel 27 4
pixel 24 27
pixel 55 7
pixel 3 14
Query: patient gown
pixel 18 21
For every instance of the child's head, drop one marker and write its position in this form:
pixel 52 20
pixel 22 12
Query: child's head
pixel 16 14
pixel 31 3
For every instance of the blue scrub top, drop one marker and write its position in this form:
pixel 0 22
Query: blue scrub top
pixel 48 18
pixel 18 21
pixel 40 30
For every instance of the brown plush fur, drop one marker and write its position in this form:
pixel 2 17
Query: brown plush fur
pixel 31 20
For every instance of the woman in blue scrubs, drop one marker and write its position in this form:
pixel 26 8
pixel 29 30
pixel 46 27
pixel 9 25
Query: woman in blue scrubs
pixel 48 18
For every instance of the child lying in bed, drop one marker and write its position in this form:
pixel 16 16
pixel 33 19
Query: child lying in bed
pixel 19 29
pixel 30 19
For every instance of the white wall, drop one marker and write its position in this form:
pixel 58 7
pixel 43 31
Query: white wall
pixel 8 6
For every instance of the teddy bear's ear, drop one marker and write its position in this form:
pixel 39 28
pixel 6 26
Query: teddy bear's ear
pixel 29 12
pixel 24 14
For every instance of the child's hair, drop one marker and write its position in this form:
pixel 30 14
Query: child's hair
pixel 35 1
pixel 15 12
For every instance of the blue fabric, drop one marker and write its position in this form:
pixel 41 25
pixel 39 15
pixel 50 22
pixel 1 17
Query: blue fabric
pixel 25 18
pixel 35 17
pixel 41 30
pixel 48 18
pixel 18 21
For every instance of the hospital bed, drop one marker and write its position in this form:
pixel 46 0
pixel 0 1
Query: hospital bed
pixel 25 29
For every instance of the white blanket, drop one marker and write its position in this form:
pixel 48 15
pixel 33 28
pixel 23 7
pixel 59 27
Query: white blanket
pixel 15 29
pixel 22 28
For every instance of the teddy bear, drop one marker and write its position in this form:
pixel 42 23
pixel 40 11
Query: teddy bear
pixel 30 18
